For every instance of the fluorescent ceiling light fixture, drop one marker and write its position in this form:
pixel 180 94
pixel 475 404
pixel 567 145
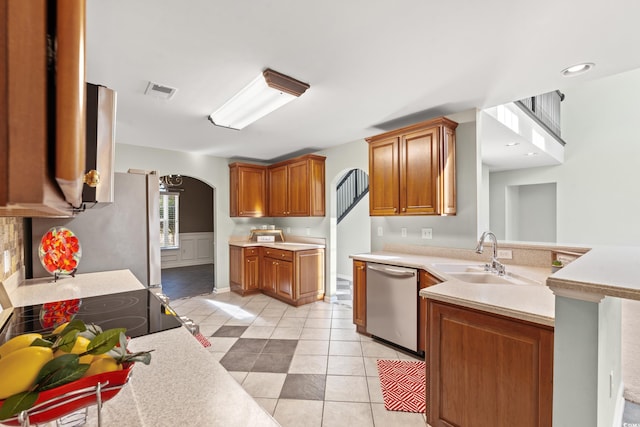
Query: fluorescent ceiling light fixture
pixel 574 70
pixel 266 93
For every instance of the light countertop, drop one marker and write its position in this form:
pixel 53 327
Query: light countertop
pixel 183 385
pixel 533 302
pixel 287 246
pixel 603 271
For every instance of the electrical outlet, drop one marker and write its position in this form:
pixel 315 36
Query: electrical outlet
pixel 403 230
pixel 427 233
pixel 380 232
pixel 505 253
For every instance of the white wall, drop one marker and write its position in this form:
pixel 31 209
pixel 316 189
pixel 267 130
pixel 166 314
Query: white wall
pixel 354 236
pixel 212 170
pixel 598 199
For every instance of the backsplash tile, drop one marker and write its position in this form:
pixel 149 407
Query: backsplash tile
pixel 12 240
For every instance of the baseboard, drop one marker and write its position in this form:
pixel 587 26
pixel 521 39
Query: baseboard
pixel 619 411
pixel 330 299
pixel 217 290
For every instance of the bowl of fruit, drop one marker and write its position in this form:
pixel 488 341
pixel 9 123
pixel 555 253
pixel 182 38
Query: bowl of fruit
pixel 45 377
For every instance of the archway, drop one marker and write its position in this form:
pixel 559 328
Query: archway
pixel 187 236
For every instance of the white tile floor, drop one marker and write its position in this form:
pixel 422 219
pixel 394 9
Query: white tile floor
pixel 329 352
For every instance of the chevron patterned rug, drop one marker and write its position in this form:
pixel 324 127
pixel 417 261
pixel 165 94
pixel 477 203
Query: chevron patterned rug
pixel 403 385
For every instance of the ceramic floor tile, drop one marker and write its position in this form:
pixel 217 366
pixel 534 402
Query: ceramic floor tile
pixel 264 384
pixel 286 333
pixel 307 364
pixel 371 366
pixel 317 323
pixel 249 345
pixel 271 363
pixel 291 322
pixel 239 361
pixel 280 346
pixel 375 390
pixel 239 322
pixel 217 355
pixel 345 365
pixel 219 318
pixel 341 414
pixel 314 347
pixel 319 314
pixel 299 413
pixel 239 376
pixel 266 321
pixel 303 386
pixel 273 311
pixel 258 332
pixel 344 335
pixel 269 405
pixel 382 417
pixel 341 388
pixel 343 324
pixel 345 348
pixel 375 349
pixel 315 334
pixel 342 314
pixel 299 313
pixel 221 344
pixel 229 331
pixel 208 330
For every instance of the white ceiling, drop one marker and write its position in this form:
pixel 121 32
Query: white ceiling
pixel 373 65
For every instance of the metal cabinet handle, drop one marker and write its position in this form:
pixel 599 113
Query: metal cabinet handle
pixel 404 209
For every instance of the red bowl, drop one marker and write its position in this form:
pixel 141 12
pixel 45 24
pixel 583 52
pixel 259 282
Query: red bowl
pixel 65 399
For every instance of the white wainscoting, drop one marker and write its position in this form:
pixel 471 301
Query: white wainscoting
pixel 195 249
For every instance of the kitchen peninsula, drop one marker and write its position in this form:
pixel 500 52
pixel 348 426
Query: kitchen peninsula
pixel 183 385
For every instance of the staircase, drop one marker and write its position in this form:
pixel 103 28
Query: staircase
pixel 350 190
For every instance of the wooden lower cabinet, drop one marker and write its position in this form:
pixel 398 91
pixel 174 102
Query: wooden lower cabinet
pixel 243 270
pixel 295 277
pixel 360 296
pixel 487 370
pixel 425 280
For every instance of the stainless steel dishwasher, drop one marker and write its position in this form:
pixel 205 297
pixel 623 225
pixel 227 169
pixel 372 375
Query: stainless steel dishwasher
pixel 392 304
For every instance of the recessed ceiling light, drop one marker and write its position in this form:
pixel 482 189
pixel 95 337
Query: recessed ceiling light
pixel 574 70
pixel 512 144
pixel 531 154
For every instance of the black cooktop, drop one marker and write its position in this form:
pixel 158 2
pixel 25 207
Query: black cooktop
pixel 141 312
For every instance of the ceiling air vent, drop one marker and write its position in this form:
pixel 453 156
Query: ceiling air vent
pixel 160 91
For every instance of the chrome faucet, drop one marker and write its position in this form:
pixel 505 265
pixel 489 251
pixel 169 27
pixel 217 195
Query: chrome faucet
pixel 495 266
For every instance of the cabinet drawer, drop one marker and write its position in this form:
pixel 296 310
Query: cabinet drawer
pixel 250 251
pixel 278 254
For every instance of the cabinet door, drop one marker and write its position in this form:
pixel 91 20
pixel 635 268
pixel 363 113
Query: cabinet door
pixel 251 193
pixel 487 370
pixel 284 279
pixel 235 268
pixel 298 186
pixel 309 278
pixel 278 191
pixel 360 295
pixel 426 280
pixel 317 187
pixel 419 173
pixel 384 177
pixel 268 275
pixel 251 269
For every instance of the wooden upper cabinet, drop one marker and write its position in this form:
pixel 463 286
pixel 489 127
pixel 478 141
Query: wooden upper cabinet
pixel 412 170
pixel 278 187
pixel 28 121
pixel 296 187
pixel 248 193
pixel 384 176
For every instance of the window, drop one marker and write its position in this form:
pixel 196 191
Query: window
pixel 169 220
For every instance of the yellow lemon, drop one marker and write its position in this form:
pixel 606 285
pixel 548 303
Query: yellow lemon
pixel 18 370
pixel 59 328
pixel 102 363
pixel 80 346
pixel 16 343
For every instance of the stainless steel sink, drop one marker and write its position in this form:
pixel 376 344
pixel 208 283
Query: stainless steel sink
pixel 459 268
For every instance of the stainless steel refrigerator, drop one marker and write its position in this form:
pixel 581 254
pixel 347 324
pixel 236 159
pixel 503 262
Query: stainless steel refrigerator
pixel 124 234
